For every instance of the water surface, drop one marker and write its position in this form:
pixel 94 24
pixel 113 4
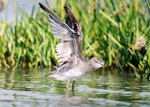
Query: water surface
pixel 100 88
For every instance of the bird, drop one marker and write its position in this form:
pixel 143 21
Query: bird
pixel 72 63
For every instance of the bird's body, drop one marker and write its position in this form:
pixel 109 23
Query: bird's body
pixel 72 72
pixel 73 65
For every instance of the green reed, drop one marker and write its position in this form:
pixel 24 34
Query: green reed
pixel 110 29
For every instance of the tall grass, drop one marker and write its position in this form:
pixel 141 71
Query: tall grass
pixel 28 43
pixel 110 28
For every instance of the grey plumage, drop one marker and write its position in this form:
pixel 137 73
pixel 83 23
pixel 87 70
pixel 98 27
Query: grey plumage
pixel 73 64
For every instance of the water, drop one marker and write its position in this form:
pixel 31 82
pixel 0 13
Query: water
pixel 24 88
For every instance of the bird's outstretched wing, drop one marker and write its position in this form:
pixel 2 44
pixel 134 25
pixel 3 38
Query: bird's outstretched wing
pixel 67 49
pixel 73 23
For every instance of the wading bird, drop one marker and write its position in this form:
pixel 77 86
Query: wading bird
pixel 72 64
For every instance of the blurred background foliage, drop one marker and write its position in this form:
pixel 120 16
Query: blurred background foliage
pixel 116 30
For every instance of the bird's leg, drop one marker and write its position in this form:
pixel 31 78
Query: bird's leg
pixel 67 85
pixel 73 85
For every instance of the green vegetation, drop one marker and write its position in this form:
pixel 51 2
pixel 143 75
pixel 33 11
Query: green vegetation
pixel 111 28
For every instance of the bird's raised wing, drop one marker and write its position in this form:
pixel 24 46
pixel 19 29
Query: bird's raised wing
pixel 67 49
pixel 73 23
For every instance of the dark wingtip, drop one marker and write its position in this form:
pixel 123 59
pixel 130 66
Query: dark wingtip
pixel 41 5
pixel 45 8
pixel 66 6
pixel 70 13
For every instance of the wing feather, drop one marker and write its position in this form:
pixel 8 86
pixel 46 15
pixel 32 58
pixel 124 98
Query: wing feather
pixel 62 31
pixel 73 23
pixel 59 31
pixel 64 51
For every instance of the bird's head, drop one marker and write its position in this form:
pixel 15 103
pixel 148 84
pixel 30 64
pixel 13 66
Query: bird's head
pixel 97 62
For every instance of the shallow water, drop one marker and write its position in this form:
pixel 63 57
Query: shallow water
pixel 24 88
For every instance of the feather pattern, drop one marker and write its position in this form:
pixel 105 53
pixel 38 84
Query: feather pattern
pixel 68 48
